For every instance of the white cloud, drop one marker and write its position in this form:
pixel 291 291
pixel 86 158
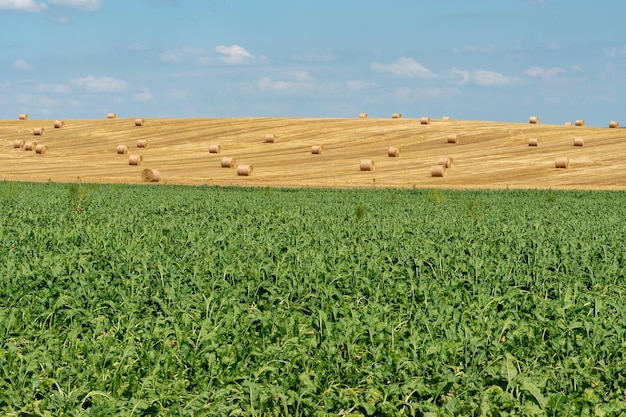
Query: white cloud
pixel 404 67
pixel 184 54
pixel 543 72
pixel 52 88
pixel 578 69
pixel 101 84
pixel 465 75
pixel 484 77
pixel 34 6
pixel 300 75
pixel 22 5
pixel 359 85
pixel 22 65
pixel 37 100
pixel 268 84
pixel 615 52
pixel 234 54
pixel 145 95
pixel 421 92
pixel 292 86
pixel 78 4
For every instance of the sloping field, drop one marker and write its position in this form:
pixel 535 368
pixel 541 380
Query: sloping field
pixel 487 155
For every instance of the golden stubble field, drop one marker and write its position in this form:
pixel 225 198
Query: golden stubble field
pixel 487 155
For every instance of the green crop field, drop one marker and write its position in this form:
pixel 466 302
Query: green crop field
pixel 121 300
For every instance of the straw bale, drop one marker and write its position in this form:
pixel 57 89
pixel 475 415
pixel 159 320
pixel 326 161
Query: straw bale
pixel 425 120
pixel 568 123
pixel 122 149
pixel 393 152
pixel 215 148
pixel 613 124
pixel 366 165
pixel 580 122
pixel 150 175
pixel 41 149
pixel 269 138
pixel 578 141
pixel 562 162
pixel 317 149
pixel 228 162
pixel 445 161
pixel 139 122
pixel 438 171
pixel 59 124
pixel 18 143
pixel 533 120
pixel 30 146
pixel 38 131
pixel 23 116
pixel 533 142
pixel 396 116
pixel 453 138
pixel 244 170
pixel 111 116
pixel 135 159
pixel 362 115
pixel 445 118
pixel 142 143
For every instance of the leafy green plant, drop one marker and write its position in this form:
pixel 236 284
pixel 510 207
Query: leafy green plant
pixel 166 301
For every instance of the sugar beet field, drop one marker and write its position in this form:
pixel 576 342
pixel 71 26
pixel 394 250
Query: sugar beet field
pixel 207 301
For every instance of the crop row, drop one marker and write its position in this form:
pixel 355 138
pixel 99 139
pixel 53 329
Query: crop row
pixel 123 300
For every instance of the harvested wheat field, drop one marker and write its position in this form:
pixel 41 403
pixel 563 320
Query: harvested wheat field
pixel 486 155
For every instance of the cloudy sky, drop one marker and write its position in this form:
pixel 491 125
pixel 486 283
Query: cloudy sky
pixel 501 60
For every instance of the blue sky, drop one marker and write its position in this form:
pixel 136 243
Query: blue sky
pixel 500 60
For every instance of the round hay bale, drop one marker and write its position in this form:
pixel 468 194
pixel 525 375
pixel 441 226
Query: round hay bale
pixel 139 122
pixel 30 146
pixel 142 143
pixel 580 122
pixel 562 162
pixel 150 175
pixel 425 120
pixel 393 152
pixel 613 124
pixel 445 161
pixel 135 159
pixel 215 148
pixel 41 149
pixel 453 138
pixel 317 149
pixel 578 141
pixel 366 165
pixel 533 142
pixel 568 123
pixel 23 116
pixel 228 162
pixel 111 116
pixel 38 131
pixel 122 149
pixel 396 116
pixel 269 138
pixel 533 120
pixel 438 171
pixel 244 170
pixel 18 143
pixel 59 124
pixel 362 115
pixel 445 118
